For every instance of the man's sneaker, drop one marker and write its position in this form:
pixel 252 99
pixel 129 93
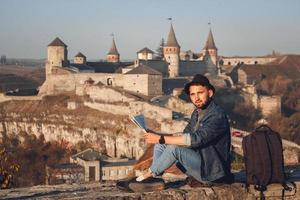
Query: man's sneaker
pixel 148 185
pixel 124 184
pixel 192 182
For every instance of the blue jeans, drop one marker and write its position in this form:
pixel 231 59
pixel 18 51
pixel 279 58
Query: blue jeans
pixel 165 156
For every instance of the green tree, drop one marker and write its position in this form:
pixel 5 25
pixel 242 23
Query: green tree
pixel 160 50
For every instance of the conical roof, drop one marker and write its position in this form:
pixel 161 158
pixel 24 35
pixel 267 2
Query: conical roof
pixel 80 55
pixel 57 42
pixel 145 50
pixel 210 43
pixel 172 41
pixel 113 50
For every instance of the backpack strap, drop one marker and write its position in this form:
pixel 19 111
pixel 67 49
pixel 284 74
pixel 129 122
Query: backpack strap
pixel 267 164
pixel 261 185
pixel 287 188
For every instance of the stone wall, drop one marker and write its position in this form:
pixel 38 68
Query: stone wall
pixel 133 108
pixel 116 172
pixel 3 98
pixel 106 94
pixel 242 77
pixel 247 60
pixel 137 83
pixel 154 85
pixel 149 85
pixel 270 105
pixel 56 84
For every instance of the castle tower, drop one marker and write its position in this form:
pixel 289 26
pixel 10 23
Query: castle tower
pixel 210 50
pixel 57 55
pixel 171 53
pixel 80 59
pixel 113 54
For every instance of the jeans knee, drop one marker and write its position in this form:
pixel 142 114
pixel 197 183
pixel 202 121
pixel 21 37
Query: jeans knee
pixel 159 146
pixel 171 148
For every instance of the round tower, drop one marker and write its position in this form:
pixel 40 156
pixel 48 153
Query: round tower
pixel 210 50
pixel 171 53
pixel 57 55
pixel 113 55
pixel 80 59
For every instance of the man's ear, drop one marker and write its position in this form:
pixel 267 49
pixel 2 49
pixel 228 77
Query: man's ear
pixel 210 93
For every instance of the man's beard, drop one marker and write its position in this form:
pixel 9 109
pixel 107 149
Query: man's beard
pixel 206 104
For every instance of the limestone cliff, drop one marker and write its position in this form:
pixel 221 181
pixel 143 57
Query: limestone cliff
pixel 106 126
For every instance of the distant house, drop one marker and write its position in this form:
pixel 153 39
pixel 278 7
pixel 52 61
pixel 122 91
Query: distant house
pixel 285 66
pixel 98 167
pixel 145 54
pixel 252 74
pixel 64 173
pixel 143 79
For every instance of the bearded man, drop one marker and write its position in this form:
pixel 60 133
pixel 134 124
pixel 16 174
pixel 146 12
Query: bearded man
pixel 202 151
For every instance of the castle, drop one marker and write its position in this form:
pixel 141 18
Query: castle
pixel 143 76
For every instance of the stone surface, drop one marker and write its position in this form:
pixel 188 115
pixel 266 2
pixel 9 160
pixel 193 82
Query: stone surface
pixel 109 190
pixel 175 190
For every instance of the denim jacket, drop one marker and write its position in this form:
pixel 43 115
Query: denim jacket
pixel 211 140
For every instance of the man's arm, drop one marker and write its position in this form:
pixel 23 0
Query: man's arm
pixel 153 138
pixel 182 139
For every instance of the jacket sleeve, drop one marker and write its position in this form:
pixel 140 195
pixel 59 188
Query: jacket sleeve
pixel 214 126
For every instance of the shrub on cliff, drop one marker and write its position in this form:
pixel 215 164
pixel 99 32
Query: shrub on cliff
pixel 30 154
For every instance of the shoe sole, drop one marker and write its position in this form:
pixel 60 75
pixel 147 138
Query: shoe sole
pixel 146 187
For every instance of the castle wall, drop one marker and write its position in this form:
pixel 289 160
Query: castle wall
pixel 56 55
pixel 108 95
pixel 250 96
pixel 155 85
pixel 171 55
pixel 56 84
pixel 3 98
pixel 134 108
pixel 150 85
pixel 137 83
pixel 270 105
pixel 247 60
pixel 242 77
pixel 212 53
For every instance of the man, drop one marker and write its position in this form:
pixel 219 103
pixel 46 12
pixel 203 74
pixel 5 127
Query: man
pixel 203 150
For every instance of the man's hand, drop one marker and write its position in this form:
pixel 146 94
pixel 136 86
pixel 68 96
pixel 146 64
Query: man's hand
pixel 151 137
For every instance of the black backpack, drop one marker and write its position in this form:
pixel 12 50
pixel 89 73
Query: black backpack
pixel 263 156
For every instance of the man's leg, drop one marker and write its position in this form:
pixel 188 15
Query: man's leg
pixel 157 151
pixel 187 157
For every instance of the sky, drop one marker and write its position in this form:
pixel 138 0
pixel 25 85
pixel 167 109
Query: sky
pixel 240 27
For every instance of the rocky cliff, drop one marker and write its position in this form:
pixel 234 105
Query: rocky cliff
pixel 106 127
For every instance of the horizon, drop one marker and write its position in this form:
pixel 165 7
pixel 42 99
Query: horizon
pixel 249 28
